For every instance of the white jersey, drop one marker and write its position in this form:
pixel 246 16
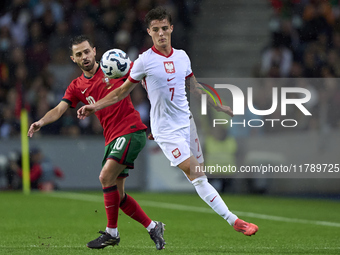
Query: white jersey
pixel 164 80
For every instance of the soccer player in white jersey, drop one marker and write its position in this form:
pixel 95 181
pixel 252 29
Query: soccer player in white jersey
pixel 165 72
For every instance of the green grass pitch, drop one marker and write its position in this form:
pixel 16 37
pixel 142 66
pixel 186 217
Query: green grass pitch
pixel 63 222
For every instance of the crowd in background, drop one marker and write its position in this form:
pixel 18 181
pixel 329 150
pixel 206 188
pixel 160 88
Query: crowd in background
pixel 305 39
pixel 305 42
pixel 43 174
pixel 35 68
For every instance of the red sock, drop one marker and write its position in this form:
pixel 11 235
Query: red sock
pixel 131 208
pixel 111 202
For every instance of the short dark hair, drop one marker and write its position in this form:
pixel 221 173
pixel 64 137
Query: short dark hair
pixel 158 13
pixel 79 39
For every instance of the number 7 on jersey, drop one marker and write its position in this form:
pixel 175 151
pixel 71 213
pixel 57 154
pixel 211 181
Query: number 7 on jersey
pixel 172 90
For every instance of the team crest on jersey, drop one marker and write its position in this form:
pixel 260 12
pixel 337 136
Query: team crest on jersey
pixel 169 67
pixel 176 153
pixel 107 81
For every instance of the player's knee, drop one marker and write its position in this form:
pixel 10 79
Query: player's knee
pixel 194 174
pixel 199 180
pixel 105 180
pixel 101 178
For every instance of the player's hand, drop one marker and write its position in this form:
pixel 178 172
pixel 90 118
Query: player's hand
pixel 150 137
pixel 35 127
pixel 85 111
pixel 226 109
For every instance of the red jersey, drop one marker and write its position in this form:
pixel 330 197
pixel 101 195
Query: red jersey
pixel 117 119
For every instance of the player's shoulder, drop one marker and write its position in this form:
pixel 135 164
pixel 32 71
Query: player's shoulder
pixel 78 80
pixel 143 59
pixel 75 83
pixel 180 53
pixel 146 54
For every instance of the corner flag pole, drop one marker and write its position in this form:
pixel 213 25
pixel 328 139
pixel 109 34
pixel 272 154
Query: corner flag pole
pixel 25 154
pixel 26 184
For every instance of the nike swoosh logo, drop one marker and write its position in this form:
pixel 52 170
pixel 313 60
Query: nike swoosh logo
pixel 109 206
pixel 84 91
pixel 170 79
pixel 213 199
pixel 112 152
pixel 199 156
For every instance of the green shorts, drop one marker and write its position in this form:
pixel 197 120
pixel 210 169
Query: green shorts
pixel 125 149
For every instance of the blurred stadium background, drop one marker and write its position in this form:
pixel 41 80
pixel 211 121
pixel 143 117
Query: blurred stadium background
pixel 234 38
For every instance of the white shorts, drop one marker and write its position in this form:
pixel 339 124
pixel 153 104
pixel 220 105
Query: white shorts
pixel 181 144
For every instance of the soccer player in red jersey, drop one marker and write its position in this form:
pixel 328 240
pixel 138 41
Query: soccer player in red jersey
pixel 124 135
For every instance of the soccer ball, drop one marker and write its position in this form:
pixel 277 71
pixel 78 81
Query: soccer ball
pixel 115 63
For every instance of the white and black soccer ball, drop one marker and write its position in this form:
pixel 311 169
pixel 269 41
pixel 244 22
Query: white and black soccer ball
pixel 115 63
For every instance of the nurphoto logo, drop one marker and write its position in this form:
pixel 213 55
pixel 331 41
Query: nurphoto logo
pixel 239 105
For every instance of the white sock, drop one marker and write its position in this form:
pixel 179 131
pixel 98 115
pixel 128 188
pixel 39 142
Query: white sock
pixel 151 226
pixel 209 194
pixel 112 231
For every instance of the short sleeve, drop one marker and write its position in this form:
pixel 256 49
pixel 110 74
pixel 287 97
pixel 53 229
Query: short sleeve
pixel 188 71
pixel 137 72
pixel 70 96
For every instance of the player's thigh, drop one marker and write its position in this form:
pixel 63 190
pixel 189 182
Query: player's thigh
pixel 124 150
pixel 195 145
pixel 110 172
pixel 191 168
pixel 175 147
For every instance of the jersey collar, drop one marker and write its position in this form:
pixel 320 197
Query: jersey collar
pixel 160 53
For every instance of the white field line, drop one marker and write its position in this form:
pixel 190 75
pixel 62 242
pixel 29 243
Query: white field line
pixel 46 246
pixel 189 208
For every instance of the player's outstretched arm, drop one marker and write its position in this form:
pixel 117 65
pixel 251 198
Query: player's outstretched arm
pixel 49 117
pixel 194 86
pixel 110 99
